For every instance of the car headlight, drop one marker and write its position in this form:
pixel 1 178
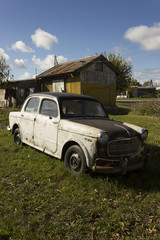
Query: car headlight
pixel 103 137
pixel 144 134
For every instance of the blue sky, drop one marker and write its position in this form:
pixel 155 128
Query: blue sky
pixel 32 32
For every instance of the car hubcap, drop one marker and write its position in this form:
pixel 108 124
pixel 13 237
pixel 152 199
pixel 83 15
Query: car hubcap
pixel 75 162
pixel 18 139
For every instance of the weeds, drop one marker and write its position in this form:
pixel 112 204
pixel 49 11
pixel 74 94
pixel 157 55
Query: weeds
pixel 148 109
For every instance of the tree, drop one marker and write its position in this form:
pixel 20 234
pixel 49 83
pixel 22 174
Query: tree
pixel 4 70
pixel 133 86
pixel 148 83
pixel 135 83
pixel 125 71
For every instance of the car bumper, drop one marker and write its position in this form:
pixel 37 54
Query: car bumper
pixel 123 167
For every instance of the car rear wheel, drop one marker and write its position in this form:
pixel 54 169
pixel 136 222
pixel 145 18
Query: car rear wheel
pixel 17 136
pixel 74 160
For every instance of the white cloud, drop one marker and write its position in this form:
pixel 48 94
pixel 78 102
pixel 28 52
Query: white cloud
pixel 44 39
pixel 48 62
pixel 26 75
pixel 138 74
pixel 129 59
pixel 19 63
pixel 3 54
pixel 157 82
pixel 61 59
pixel 21 46
pixel 119 49
pixel 148 74
pixel 147 37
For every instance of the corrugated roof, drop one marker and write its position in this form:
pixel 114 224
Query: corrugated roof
pixel 72 66
pixel 67 67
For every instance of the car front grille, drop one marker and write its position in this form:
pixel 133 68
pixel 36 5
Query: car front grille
pixel 123 147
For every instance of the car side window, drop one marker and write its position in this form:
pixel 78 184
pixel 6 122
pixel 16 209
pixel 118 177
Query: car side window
pixel 49 108
pixel 32 105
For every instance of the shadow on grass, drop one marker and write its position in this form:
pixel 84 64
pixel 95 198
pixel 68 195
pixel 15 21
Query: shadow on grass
pixel 120 110
pixel 143 180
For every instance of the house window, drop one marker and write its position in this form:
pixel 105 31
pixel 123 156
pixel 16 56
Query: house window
pixel 58 86
pixel 99 66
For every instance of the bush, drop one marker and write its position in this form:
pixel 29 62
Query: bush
pixel 151 95
pixel 158 93
pixel 149 108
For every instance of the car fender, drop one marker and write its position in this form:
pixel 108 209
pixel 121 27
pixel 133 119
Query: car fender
pixel 17 125
pixel 87 153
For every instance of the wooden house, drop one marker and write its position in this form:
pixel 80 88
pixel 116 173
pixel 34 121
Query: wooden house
pixel 94 76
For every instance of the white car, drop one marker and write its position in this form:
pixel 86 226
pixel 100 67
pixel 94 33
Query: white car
pixel 77 129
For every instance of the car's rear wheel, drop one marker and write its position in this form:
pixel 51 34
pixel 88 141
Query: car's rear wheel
pixel 17 136
pixel 75 160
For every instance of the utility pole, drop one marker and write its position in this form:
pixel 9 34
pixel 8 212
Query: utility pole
pixel 55 61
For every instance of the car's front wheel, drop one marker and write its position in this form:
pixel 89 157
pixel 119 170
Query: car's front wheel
pixel 17 136
pixel 75 160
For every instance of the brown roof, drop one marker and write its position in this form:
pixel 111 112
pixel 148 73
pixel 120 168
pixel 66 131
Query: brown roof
pixel 73 66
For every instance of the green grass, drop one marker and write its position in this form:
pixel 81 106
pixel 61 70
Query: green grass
pixel 39 199
pixel 4 117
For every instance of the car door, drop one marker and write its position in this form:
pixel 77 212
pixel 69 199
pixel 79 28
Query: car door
pixel 28 116
pixel 46 126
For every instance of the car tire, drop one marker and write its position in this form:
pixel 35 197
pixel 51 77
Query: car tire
pixel 74 160
pixel 17 136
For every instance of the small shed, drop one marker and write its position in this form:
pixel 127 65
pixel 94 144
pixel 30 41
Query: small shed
pixel 144 92
pixel 17 90
pixel 94 76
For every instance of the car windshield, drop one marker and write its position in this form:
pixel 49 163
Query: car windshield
pixel 82 108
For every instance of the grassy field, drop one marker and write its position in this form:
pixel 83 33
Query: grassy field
pixel 39 199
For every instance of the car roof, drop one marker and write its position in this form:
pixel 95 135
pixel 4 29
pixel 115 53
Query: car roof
pixel 62 95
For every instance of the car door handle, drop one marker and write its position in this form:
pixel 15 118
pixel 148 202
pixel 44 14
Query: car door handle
pixel 22 115
pixel 54 122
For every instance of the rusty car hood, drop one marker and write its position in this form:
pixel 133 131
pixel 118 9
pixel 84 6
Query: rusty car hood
pixel 114 128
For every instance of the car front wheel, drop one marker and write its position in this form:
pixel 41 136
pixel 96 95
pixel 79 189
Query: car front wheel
pixel 17 136
pixel 74 160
